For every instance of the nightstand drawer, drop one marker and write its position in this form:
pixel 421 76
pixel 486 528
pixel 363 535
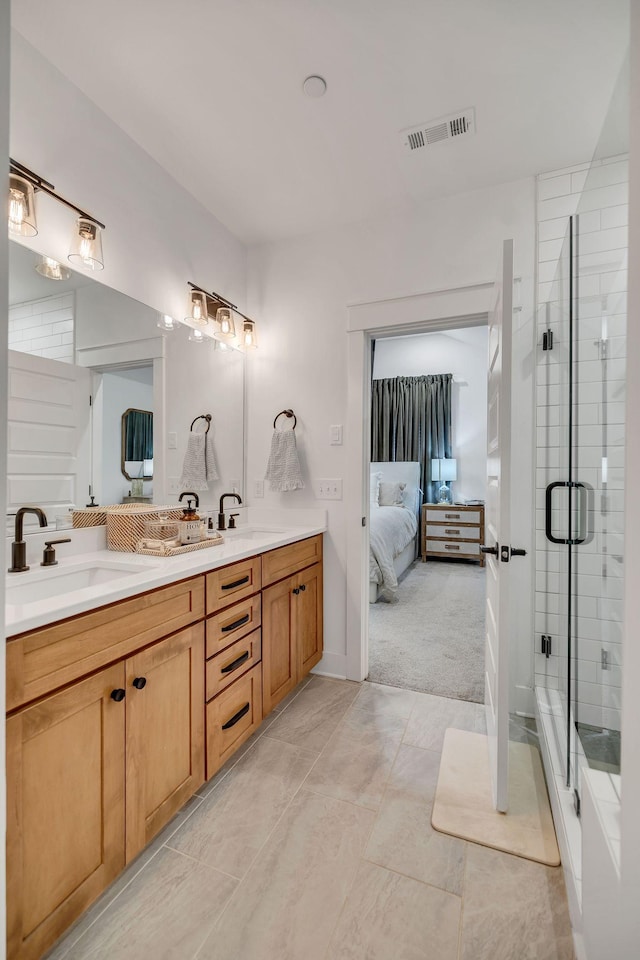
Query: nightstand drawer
pixel 442 547
pixel 447 514
pixel 446 532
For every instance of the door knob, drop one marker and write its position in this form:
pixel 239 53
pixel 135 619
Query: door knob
pixel 140 682
pixel 493 550
pixel 118 694
pixel 518 553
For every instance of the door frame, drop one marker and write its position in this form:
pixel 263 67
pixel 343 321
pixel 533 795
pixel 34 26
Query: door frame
pixel 420 313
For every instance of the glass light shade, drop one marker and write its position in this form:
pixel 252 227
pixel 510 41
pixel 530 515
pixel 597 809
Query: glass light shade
pixel 197 308
pixel 166 322
pixel 52 270
pixel 249 337
pixel 86 245
pixel 226 328
pixel 196 336
pixel 22 207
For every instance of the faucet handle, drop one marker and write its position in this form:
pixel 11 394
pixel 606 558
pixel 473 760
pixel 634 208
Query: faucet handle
pixel 232 520
pixel 49 554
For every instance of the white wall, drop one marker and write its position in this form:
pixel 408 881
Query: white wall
pixel 4 299
pixel 119 392
pixel 43 327
pixel 300 289
pixel 464 354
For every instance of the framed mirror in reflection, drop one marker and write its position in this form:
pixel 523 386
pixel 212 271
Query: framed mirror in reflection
pixel 87 362
pixel 137 444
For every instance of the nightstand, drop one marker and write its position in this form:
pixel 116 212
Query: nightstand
pixel 450 530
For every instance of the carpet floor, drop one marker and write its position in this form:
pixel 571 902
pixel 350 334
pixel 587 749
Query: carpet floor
pixel 432 639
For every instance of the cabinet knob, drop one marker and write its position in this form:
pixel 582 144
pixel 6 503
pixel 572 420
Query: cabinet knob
pixel 140 682
pixel 303 587
pixel 118 694
pixel 296 590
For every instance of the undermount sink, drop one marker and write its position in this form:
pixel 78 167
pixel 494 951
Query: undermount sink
pixel 252 533
pixel 40 584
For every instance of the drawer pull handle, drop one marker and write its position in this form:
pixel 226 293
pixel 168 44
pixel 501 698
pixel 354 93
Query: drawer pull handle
pixel 237 716
pixel 454 532
pixel 236 623
pixel 118 694
pixel 236 583
pixel 140 682
pixel 452 516
pixel 236 663
pixel 451 546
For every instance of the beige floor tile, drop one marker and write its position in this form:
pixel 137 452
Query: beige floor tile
pixel 402 838
pixel 513 909
pixel 236 818
pixel 63 946
pixel 431 716
pixel 291 696
pixel 386 700
pixel 315 713
pixel 355 766
pixel 288 905
pixel 166 912
pixel 387 916
pixel 369 727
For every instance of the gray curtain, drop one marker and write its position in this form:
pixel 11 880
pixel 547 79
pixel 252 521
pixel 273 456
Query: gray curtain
pixel 411 420
pixel 138 438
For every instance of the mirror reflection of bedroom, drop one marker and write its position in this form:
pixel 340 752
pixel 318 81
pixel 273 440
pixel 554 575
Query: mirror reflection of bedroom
pixel 428 469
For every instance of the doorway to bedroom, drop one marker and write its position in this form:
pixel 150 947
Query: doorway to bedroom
pixel 428 469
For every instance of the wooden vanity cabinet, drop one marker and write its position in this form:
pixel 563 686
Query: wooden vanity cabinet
pixel 291 618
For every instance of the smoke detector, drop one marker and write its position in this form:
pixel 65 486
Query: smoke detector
pixel 452 127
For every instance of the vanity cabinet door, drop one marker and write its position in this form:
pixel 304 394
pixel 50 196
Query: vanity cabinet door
pixel 307 618
pixel 165 732
pixel 279 655
pixel 65 808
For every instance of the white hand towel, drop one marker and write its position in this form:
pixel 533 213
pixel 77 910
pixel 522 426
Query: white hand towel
pixel 194 468
pixel 210 463
pixel 283 468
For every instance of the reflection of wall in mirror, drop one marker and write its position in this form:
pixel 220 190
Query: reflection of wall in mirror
pixel 121 389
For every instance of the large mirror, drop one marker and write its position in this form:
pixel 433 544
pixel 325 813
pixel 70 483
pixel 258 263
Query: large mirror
pixel 85 362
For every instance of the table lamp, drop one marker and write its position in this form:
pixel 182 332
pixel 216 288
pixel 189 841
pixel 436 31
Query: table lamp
pixel 444 470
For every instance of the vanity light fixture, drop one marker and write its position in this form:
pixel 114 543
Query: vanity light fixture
pixel 51 269
pixel 249 337
pixel 224 328
pixel 86 242
pixel 197 307
pixel 166 323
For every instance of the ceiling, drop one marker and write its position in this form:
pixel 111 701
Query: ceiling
pixel 212 89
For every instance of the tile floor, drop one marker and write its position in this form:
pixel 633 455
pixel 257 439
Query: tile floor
pixel 315 843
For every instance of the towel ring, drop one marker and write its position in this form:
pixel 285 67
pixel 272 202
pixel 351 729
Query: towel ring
pixel 203 416
pixel 286 413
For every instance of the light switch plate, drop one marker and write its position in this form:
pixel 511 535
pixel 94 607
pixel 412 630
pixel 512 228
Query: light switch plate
pixel 258 488
pixel 336 434
pixel 172 441
pixel 327 488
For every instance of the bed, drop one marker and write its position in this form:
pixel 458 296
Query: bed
pixel 393 530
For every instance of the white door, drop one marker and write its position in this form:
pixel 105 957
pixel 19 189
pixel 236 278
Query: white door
pixel 48 452
pixel 497 527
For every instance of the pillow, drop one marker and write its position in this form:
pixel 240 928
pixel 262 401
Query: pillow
pixel 374 490
pixel 409 497
pixel 391 493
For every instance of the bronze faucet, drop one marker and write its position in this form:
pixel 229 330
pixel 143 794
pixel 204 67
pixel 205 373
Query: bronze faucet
pixel 221 517
pixel 19 547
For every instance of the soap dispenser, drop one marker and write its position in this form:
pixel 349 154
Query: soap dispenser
pixel 190 526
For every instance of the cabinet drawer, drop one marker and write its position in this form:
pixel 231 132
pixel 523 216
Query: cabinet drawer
pixel 232 717
pixel 284 561
pixel 234 622
pixel 460 549
pixel 446 532
pixel 232 583
pixel 48 658
pixel 451 513
pixel 229 665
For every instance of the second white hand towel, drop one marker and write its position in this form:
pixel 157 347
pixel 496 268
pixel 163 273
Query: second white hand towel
pixel 194 468
pixel 283 468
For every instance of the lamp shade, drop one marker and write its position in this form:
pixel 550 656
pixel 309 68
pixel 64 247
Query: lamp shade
pixel 86 245
pixel 225 327
pixel 197 307
pixel 52 270
pixel 22 211
pixel 444 469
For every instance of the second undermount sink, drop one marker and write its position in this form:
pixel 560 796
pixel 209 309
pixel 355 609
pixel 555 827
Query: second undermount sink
pixel 252 533
pixel 41 584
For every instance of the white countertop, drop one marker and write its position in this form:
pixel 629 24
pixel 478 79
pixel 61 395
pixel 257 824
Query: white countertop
pixel 153 571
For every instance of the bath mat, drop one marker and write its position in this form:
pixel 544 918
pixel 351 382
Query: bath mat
pixel 463 806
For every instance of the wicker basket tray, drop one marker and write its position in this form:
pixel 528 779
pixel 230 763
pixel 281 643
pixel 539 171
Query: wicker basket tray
pixel 89 517
pixel 126 524
pixel 185 548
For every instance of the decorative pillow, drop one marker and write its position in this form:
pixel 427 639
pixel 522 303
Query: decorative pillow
pixel 391 493
pixel 409 496
pixel 374 490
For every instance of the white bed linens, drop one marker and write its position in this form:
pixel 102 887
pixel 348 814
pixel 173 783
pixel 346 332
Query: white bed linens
pixel 391 529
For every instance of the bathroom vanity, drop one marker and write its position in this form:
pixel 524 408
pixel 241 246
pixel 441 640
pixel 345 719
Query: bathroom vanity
pixel 123 699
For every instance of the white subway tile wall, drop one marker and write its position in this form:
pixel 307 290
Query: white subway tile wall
pixel 44 327
pixel 598 193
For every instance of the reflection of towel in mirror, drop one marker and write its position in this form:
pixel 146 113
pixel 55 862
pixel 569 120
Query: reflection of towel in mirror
pixel 199 464
pixel 283 468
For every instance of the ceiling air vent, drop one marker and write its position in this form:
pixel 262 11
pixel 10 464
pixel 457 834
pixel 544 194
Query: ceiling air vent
pixel 458 124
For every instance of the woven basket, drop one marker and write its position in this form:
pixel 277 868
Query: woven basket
pixel 126 524
pixel 89 517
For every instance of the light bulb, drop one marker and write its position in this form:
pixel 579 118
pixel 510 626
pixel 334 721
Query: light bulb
pixel 22 216
pixel 86 245
pixel 51 269
pixel 224 320
pixel 249 338
pixel 197 307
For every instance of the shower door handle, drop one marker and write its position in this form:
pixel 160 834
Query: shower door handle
pixel 548 510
